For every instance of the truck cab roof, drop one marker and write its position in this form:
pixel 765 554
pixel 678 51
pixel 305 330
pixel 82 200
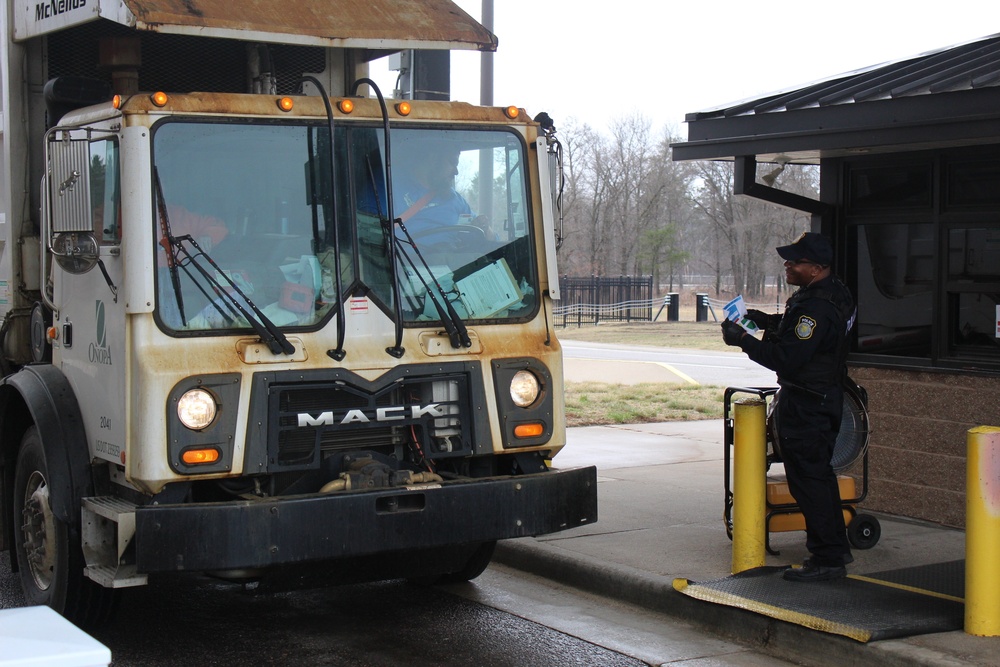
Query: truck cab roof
pixel 379 26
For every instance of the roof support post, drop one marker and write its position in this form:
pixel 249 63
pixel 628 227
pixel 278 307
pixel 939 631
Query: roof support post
pixel 745 183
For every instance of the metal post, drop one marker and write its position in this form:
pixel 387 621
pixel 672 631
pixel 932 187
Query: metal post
pixel 674 311
pixel 749 483
pixel 665 304
pixel 701 314
pixel 982 532
pixel 486 60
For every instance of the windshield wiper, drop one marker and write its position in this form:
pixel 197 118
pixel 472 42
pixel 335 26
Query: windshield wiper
pixel 167 242
pixel 453 324
pixel 455 327
pixel 179 256
pixel 269 333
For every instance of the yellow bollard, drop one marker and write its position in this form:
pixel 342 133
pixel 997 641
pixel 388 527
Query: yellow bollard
pixel 749 483
pixel 982 532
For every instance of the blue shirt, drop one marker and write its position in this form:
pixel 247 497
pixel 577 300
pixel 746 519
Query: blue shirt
pixel 441 208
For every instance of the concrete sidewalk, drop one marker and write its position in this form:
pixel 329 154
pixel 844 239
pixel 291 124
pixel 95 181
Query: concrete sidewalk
pixel 661 506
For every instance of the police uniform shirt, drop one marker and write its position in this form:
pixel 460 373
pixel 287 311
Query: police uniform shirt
pixel 811 332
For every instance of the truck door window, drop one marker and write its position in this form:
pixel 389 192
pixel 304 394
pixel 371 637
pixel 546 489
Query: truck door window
pixel 105 191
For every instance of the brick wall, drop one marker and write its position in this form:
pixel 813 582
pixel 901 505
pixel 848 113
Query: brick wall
pixel 919 422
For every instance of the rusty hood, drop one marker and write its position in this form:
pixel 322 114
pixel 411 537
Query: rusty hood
pixel 358 24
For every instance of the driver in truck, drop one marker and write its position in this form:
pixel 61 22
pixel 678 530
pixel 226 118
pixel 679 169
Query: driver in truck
pixel 425 191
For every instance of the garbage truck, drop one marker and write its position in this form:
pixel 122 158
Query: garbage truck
pixel 259 320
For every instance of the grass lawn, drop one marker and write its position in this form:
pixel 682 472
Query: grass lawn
pixel 596 403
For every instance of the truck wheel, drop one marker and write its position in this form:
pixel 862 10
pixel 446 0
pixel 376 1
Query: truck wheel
pixel 49 554
pixel 475 566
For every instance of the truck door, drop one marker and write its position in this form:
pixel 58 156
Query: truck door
pixel 87 274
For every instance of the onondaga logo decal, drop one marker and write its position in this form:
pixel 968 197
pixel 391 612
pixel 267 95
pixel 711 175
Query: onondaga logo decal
pixel 100 351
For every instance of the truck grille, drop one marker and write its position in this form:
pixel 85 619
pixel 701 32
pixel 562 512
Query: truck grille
pixel 309 422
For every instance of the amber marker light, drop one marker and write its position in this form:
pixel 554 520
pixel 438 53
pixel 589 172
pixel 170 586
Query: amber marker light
pixel 194 457
pixel 512 112
pixel 404 108
pixel 286 104
pixel 532 430
pixel 116 101
pixel 159 98
pixel 345 106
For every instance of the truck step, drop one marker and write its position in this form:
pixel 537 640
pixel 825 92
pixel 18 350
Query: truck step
pixel 120 577
pixel 108 526
pixel 109 507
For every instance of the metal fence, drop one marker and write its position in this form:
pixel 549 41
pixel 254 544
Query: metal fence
pixel 602 298
pixel 706 305
pixel 630 299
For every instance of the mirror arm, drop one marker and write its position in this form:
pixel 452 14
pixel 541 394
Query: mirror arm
pixel 111 283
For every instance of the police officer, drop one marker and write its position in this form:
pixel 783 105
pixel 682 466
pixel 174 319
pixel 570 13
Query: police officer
pixel 807 348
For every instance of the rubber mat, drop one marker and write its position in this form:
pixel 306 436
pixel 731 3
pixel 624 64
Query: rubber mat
pixel 884 605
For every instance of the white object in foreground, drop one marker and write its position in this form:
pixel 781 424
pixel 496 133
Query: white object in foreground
pixel 39 637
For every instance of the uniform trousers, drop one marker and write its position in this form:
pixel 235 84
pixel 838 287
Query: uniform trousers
pixel 807 431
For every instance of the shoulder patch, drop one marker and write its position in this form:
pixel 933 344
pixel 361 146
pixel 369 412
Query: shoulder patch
pixel 804 328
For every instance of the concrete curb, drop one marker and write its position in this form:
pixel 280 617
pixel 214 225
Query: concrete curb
pixel 779 638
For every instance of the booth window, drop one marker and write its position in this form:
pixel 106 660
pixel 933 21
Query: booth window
pixel 973 184
pixel 891 187
pixel 973 289
pixel 927 268
pixel 895 289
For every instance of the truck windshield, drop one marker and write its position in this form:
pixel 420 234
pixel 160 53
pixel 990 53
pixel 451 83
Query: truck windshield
pixel 258 199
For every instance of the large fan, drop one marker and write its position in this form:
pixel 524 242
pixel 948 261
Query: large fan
pixel 852 441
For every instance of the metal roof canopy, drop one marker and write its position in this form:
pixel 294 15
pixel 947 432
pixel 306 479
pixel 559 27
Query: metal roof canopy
pixel 948 97
pixel 376 25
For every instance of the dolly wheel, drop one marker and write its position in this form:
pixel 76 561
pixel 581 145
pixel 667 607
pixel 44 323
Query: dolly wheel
pixel 864 531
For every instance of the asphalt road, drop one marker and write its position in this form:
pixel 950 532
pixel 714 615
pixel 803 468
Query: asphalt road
pixel 606 362
pixel 506 618
pixel 193 620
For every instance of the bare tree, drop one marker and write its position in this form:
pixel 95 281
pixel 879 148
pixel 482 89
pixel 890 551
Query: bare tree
pixel 629 209
pixel 661 241
pixel 587 237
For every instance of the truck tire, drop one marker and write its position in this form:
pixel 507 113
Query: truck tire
pixel 475 566
pixel 48 551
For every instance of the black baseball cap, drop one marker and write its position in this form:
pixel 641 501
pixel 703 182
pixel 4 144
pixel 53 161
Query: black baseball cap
pixel 810 246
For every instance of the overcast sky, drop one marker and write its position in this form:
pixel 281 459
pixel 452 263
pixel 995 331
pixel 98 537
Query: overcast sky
pixel 598 61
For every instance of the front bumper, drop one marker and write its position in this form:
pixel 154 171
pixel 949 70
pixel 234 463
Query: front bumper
pixel 308 528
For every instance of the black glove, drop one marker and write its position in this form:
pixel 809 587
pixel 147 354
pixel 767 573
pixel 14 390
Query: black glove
pixel 758 317
pixel 732 333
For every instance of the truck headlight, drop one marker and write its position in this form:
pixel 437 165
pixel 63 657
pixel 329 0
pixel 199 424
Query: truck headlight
pixel 196 409
pixel 524 388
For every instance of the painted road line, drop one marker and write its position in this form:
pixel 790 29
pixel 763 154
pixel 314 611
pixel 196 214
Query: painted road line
pixel 683 376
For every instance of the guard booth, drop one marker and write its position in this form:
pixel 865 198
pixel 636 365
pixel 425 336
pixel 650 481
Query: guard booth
pixel 909 159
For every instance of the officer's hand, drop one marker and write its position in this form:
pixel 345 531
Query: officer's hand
pixel 732 333
pixel 758 317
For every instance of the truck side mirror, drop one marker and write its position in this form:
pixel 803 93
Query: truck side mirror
pixel 71 239
pixel 76 252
